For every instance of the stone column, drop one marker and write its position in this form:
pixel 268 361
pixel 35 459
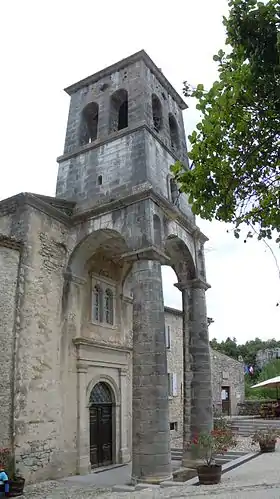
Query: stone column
pixel 199 416
pixel 83 464
pixel 187 371
pixel 124 452
pixel 151 460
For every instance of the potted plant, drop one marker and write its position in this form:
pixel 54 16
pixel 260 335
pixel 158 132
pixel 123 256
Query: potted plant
pixel 206 446
pixel 266 439
pixel 16 481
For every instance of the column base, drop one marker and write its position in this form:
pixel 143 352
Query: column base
pixel 125 455
pixel 183 474
pixel 84 466
pixel 189 462
pixel 153 479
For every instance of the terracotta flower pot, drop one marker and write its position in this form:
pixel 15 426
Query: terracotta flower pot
pixel 16 486
pixel 267 447
pixel 209 475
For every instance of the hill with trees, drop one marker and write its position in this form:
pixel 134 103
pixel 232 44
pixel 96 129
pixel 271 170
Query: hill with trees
pixel 247 350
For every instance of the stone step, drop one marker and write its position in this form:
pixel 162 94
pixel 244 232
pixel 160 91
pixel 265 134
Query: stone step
pixel 176 455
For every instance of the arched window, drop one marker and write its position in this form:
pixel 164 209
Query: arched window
pixel 109 306
pixel 157 113
pixel 174 192
pixel 119 110
pixel 97 304
pixel 89 124
pixel 174 135
pixel 101 395
pixel 157 230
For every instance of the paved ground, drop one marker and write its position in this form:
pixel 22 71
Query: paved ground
pixel 257 479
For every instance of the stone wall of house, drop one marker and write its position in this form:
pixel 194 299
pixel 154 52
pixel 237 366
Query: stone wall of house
pixel 229 373
pixel 173 320
pixel 225 372
pixel 9 262
pixel 252 407
pixel 39 417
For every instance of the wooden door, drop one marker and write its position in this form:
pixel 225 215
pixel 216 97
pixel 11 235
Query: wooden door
pixel 101 435
pixel 225 400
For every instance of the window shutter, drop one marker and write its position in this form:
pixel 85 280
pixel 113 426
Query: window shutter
pixel 174 385
pixel 167 336
pixel 169 385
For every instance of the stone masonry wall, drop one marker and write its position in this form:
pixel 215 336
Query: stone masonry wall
pixel 175 366
pixel 227 372
pixel 9 261
pixel 121 163
pixel 39 392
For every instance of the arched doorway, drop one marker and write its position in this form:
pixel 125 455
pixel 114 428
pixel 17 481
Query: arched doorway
pixel 101 425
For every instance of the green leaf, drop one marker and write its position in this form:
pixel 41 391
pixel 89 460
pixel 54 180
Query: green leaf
pixel 234 147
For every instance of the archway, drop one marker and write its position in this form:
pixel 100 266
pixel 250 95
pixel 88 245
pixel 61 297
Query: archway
pixel 101 415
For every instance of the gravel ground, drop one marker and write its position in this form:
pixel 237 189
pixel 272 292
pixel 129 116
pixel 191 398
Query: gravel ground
pixel 62 490
pixel 244 444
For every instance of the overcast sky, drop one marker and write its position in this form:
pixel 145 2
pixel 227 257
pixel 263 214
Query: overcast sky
pixel 47 46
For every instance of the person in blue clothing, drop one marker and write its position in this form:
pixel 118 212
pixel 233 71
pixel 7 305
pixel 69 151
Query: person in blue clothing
pixel 4 482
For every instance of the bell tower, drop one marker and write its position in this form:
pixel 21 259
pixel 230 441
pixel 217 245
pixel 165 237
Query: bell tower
pixel 125 128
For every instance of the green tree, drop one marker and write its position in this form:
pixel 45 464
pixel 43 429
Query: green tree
pixel 269 371
pixel 247 351
pixel 235 148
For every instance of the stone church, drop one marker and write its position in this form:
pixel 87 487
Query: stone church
pixel 83 349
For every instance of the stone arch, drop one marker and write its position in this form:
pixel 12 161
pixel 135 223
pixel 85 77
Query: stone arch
pixel 104 378
pixel 157 230
pixel 109 241
pixel 89 123
pixel 119 110
pixel 181 259
pixel 157 113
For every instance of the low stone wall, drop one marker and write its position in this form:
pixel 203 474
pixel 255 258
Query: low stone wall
pixel 251 407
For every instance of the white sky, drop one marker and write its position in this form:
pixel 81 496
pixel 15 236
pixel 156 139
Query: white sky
pixel 47 46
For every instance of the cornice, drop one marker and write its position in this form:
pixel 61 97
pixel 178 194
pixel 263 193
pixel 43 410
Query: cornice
pixel 141 55
pixel 40 203
pixel 87 342
pixel 115 136
pixel 171 211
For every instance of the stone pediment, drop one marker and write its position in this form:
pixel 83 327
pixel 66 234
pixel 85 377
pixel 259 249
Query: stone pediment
pixel 55 207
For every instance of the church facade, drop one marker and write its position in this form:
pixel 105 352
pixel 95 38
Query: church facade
pixel 84 378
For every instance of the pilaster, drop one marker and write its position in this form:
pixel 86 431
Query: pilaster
pixel 83 464
pixel 124 451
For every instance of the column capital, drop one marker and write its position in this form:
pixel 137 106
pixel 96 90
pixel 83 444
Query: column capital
pixel 82 367
pixel 200 236
pixel 148 253
pixel 192 284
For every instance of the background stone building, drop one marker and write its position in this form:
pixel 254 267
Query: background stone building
pixel 228 387
pixel 81 291
pixel 265 356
